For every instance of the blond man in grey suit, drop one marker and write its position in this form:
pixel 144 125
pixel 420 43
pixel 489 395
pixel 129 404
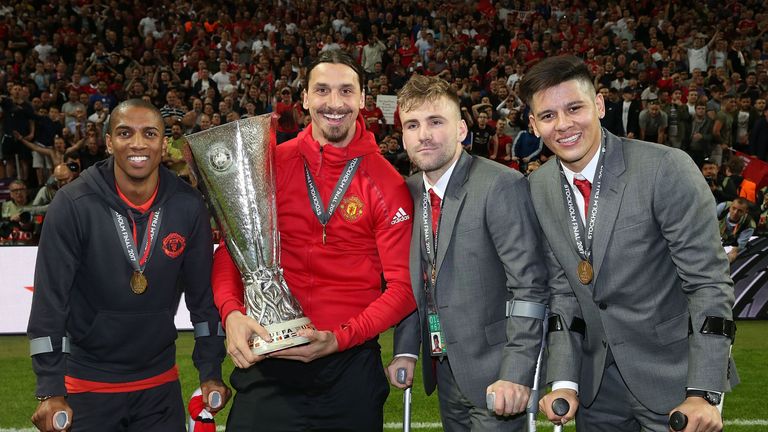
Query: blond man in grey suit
pixel 488 265
pixel 641 296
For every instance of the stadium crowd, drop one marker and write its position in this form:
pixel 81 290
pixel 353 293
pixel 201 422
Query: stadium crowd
pixel 688 75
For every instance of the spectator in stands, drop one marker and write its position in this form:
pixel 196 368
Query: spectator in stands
pixel 723 131
pixel 172 112
pixel 700 142
pixel 526 147
pixel 630 114
pixel 62 176
pixel 758 138
pixel 374 117
pixel 483 141
pixel 12 208
pixel 613 111
pixel 736 225
pixel 18 116
pixel 699 51
pixel 290 114
pixel 730 186
pixel 678 120
pixel 744 121
pixel 653 123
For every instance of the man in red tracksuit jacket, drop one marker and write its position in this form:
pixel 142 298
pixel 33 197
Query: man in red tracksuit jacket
pixel 336 382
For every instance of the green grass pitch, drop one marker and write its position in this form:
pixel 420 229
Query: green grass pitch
pixel 743 412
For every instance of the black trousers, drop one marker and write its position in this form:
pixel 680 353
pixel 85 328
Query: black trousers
pixel 159 409
pixel 342 392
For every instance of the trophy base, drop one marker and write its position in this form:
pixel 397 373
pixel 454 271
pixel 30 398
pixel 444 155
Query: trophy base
pixel 284 335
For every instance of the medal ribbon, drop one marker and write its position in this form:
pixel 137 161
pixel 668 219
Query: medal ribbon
pixel 323 216
pixel 430 244
pixel 583 241
pixel 137 258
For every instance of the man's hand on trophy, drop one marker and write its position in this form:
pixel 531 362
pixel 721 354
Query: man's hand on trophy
pixel 321 344
pixel 239 330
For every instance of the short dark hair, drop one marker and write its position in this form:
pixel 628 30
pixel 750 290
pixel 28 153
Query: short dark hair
pixel 133 103
pixel 338 57
pixel 553 71
pixel 736 165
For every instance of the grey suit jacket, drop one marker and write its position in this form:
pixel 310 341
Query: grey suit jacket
pixel 489 251
pixel 658 265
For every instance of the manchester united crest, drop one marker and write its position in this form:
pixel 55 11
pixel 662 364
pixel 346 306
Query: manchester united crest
pixel 173 245
pixel 351 208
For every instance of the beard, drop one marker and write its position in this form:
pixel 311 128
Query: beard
pixel 434 163
pixel 338 133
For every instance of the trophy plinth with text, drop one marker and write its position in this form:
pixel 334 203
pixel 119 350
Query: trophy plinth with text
pixel 235 163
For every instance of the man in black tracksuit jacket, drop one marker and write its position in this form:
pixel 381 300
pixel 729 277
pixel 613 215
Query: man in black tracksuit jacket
pixel 102 324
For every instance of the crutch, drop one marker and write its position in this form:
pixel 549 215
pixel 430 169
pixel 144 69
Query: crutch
pixel 561 407
pixel 406 401
pixel 538 311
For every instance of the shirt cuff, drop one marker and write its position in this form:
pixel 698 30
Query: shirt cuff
pixel 557 385
pixel 413 356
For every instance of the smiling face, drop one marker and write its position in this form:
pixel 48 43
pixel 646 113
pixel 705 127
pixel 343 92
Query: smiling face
pixel 567 117
pixel 432 136
pixel 136 142
pixel 334 99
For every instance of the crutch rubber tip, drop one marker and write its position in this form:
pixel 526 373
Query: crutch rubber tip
pixel 60 420
pixel 560 406
pixel 678 421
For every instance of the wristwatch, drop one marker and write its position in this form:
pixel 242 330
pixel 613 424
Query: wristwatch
pixel 712 397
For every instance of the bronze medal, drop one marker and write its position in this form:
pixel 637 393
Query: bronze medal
pixel 138 282
pixel 585 272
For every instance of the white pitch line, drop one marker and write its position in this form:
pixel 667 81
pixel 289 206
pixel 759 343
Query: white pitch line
pixel 433 425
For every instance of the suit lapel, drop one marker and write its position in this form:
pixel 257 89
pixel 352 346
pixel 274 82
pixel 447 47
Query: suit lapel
pixel 452 203
pixel 416 186
pixel 612 191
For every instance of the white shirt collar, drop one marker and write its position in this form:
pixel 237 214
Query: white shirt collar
pixel 442 182
pixel 589 171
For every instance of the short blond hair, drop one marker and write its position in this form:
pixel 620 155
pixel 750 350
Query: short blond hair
pixel 421 89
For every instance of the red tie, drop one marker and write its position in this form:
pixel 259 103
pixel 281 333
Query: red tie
pixel 434 200
pixel 585 187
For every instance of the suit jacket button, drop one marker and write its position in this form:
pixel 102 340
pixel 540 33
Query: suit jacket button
pixel 602 306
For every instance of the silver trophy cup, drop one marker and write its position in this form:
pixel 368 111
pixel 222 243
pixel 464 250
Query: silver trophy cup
pixel 235 163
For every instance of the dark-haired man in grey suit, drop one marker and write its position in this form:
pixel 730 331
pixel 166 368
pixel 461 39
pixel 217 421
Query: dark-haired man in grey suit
pixel 641 297
pixel 476 268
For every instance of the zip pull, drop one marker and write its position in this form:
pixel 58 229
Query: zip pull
pixel 323 233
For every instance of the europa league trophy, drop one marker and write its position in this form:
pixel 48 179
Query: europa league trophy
pixel 235 162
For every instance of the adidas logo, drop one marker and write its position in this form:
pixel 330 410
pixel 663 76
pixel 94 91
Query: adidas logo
pixel 400 216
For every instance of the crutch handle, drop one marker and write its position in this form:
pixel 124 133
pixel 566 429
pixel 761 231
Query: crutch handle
pixel 560 406
pixel 214 399
pixel 678 421
pixel 60 420
pixel 401 375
